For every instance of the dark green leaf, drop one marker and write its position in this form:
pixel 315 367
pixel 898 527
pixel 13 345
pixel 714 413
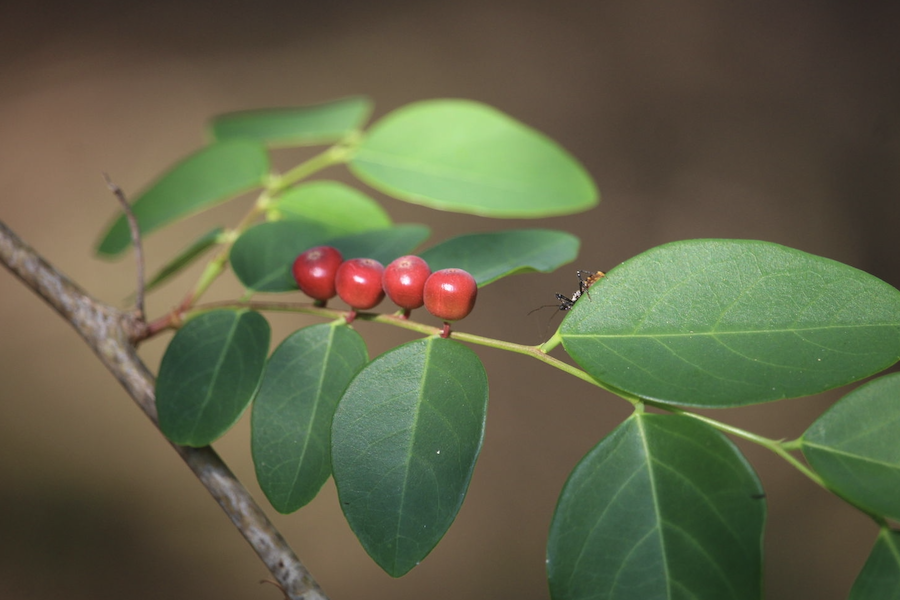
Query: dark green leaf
pixel 664 507
pixel 880 577
pixel 405 439
pixel 209 374
pixel 490 256
pixel 262 257
pixel 384 245
pixel 338 208
pixel 299 126
pixel 855 446
pixel 720 323
pixel 291 420
pixel 463 156
pixel 187 256
pixel 212 175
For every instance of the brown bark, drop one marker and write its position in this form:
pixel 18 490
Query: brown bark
pixel 109 333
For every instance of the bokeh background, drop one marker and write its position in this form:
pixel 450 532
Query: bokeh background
pixel 775 120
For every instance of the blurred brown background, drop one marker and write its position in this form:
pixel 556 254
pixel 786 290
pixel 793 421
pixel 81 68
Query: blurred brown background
pixel 769 120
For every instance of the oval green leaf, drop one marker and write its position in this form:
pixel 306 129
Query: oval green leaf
pixel 405 439
pixel 463 156
pixel 855 446
pixel 298 126
pixel 185 258
pixel 490 256
pixel 262 257
pixel 212 175
pixel 663 507
pixel 880 576
pixel 291 419
pixel 209 374
pixel 384 245
pixel 339 209
pixel 718 323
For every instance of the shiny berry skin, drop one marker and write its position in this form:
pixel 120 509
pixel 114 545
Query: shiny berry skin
pixel 450 294
pixel 315 270
pixel 404 281
pixel 358 283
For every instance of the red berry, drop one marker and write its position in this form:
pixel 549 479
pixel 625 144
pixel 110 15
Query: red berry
pixel 404 281
pixel 315 269
pixel 450 294
pixel 358 283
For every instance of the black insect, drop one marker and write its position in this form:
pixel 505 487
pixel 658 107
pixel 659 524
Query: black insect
pixel 589 278
pixel 585 280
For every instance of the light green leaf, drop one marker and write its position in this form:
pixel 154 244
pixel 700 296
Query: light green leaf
pixel 880 577
pixel 405 439
pixel 262 257
pixel 185 258
pixel 339 209
pixel 384 245
pixel 664 507
pixel 490 256
pixel 291 420
pixel 855 446
pixel 298 126
pixel 212 175
pixel 209 374
pixel 463 156
pixel 719 323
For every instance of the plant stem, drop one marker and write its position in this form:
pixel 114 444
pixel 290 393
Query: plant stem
pixel 779 447
pixel 216 265
pixel 334 155
pixel 337 154
pixel 108 332
pixel 398 320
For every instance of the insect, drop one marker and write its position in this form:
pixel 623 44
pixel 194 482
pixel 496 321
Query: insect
pixel 585 280
pixel 589 279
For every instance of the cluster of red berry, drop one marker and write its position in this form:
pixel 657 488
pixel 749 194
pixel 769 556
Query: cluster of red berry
pixel 448 294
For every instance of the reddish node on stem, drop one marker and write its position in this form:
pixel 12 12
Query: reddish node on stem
pixel 445 332
pixel 404 282
pixel 315 270
pixel 450 294
pixel 358 283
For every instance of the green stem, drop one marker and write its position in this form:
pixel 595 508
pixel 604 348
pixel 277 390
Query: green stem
pixel 397 321
pixel 216 265
pixel 337 154
pixel 779 447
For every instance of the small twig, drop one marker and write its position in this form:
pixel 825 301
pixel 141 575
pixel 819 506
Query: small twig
pixel 135 240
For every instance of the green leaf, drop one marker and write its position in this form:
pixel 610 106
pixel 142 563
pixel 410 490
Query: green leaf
pixel 291 419
pixel 384 245
pixel 663 507
pixel 467 157
pixel 718 323
pixel 405 439
pixel 490 256
pixel 212 175
pixel 299 126
pixel 209 374
pixel 855 446
pixel 262 257
pixel 339 209
pixel 185 258
pixel 880 577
